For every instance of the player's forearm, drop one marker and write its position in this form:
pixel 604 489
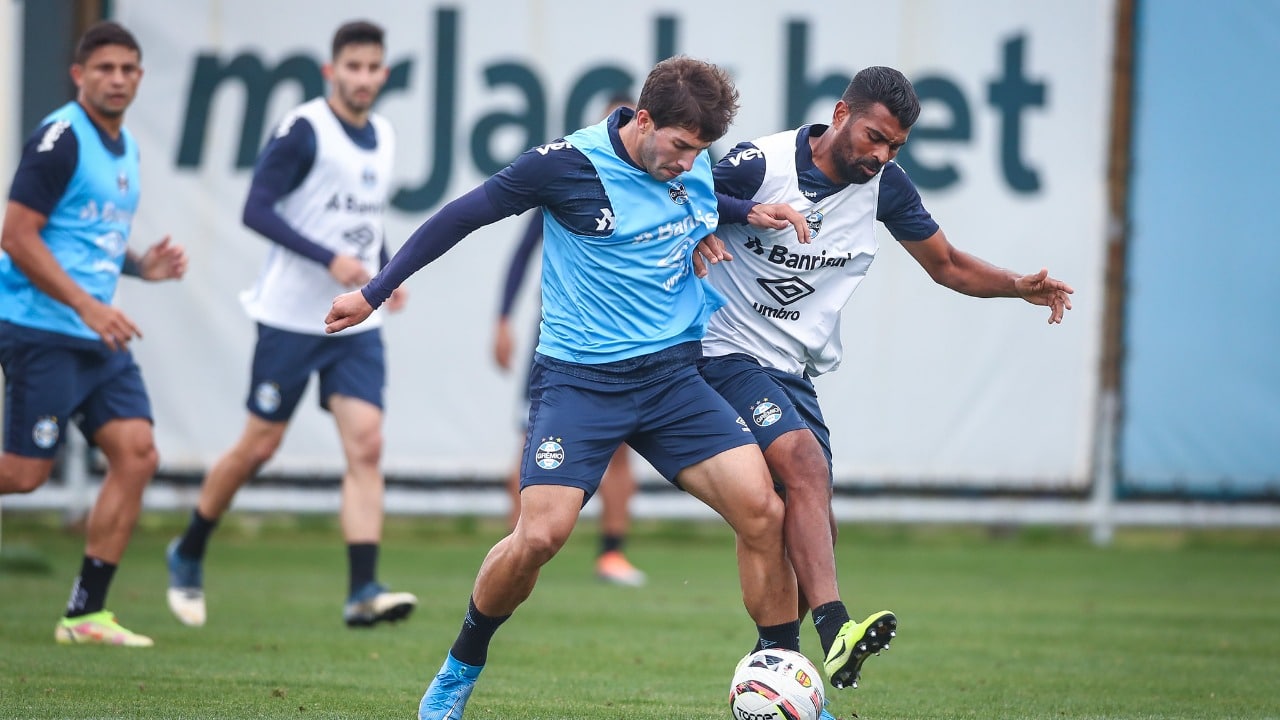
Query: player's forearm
pixel 976 277
pixel 432 239
pixel 34 259
pixel 261 217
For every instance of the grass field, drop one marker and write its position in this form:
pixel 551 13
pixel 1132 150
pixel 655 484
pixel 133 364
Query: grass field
pixel 1028 624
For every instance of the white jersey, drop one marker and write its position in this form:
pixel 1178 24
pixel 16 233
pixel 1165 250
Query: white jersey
pixel 784 299
pixel 339 205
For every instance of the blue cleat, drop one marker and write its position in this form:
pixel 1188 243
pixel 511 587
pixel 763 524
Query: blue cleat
pixel 447 695
pixel 826 715
pixel 186 587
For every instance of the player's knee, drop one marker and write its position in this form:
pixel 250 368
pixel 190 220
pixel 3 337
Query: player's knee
pixel 366 450
pixel 763 519
pixel 541 543
pixel 137 460
pixel 258 451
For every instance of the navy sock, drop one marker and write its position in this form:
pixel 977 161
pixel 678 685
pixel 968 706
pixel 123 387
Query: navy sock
pixel 827 620
pixel 610 543
pixel 785 636
pixel 192 544
pixel 472 645
pixel 89 593
pixel 362 561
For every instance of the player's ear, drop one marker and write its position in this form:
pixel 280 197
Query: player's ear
pixel 77 73
pixel 327 71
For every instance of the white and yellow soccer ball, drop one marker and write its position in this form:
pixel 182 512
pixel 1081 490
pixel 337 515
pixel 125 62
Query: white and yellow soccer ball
pixel 776 685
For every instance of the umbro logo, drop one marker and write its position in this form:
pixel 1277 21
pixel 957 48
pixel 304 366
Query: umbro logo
pixel 606 221
pixel 361 237
pixel 786 290
pixel 122 182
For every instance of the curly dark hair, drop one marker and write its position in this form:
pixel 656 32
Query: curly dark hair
pixel 690 94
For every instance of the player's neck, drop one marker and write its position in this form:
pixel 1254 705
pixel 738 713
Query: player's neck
pixel 354 118
pixel 629 134
pixel 820 147
pixel 106 123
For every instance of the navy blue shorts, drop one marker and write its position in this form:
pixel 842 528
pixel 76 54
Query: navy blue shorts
pixel 283 362
pixel 51 378
pixel 674 420
pixel 772 401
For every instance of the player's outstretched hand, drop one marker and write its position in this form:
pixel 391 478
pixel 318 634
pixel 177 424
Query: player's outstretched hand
pixel 1040 289
pixel 348 309
pixel 775 216
pixel 709 251
pixel 163 261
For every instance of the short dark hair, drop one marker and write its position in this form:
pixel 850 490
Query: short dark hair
pixel 101 34
pixel 690 94
pixel 356 32
pixel 885 86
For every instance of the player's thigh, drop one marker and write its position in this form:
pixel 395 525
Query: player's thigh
pixel 575 426
pixel 353 366
pixel 118 394
pixel 684 422
pixel 735 483
pixel 44 384
pixel 761 398
pixel 283 362
pixel 548 514
pixel 130 448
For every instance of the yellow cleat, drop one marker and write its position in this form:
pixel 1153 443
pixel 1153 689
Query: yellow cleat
pixel 856 643
pixel 98 628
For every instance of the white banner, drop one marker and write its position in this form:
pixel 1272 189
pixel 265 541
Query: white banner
pixel 936 388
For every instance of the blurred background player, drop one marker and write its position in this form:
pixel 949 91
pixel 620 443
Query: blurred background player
pixel 619 482
pixel 318 193
pixel 841 179
pixel 63 347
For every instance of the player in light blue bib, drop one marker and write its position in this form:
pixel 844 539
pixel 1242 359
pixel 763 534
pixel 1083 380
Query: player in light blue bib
pixel 63 347
pixel 625 202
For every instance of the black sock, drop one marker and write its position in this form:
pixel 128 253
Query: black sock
pixel 472 645
pixel 610 543
pixel 785 636
pixel 362 561
pixel 192 544
pixel 89 593
pixel 827 620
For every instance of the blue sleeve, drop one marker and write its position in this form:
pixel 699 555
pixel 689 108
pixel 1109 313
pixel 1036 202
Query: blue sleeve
pixel 432 239
pixel 519 264
pixel 901 209
pixel 282 166
pixel 738 177
pixel 48 162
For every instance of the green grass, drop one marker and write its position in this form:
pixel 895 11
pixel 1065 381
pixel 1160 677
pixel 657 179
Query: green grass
pixel 1030 624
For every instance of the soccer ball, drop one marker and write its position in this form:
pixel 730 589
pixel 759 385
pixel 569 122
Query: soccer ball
pixel 776 685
